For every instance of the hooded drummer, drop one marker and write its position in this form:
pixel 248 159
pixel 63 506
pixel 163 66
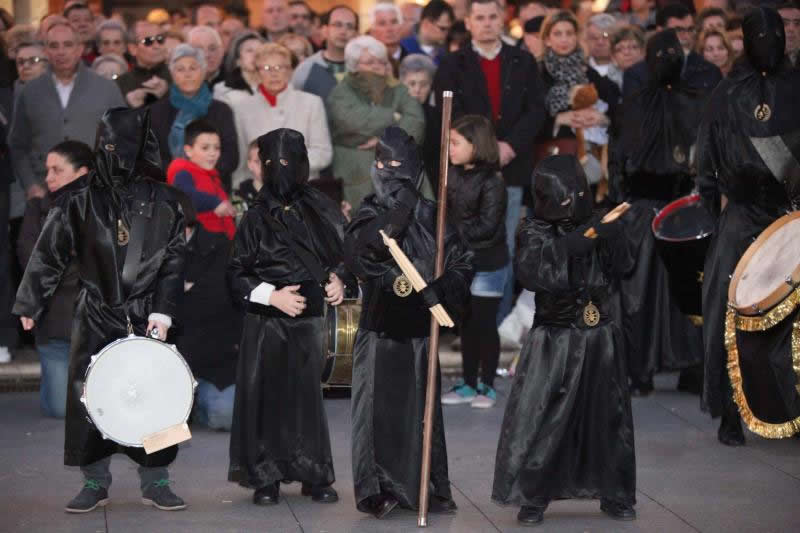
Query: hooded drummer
pixel 390 356
pixel 286 266
pixel 91 224
pixel 568 431
pixel 748 153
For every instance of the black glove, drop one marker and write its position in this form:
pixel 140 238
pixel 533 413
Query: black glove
pixel 432 294
pixel 406 198
pixel 577 244
pixel 609 230
pixel 398 220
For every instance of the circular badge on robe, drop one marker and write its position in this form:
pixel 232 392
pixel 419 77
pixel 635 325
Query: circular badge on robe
pixel 402 287
pixel 762 112
pixel 678 155
pixel 591 315
pixel 123 235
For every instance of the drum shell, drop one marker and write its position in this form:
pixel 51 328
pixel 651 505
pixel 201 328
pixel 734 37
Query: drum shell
pixel 684 261
pixel 341 326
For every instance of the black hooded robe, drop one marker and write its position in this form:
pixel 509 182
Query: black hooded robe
pixel 568 429
pixel 650 162
pixel 730 165
pixel 280 429
pixel 85 222
pixel 390 357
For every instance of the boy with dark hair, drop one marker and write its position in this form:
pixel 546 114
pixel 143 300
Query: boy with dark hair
pixel 197 176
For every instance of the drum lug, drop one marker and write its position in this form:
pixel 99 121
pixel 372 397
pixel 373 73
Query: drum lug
pixel 789 281
pixel 92 359
pixel 194 384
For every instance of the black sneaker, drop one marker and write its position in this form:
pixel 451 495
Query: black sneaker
pixel 90 497
pixel 159 495
pixel 617 510
pixel 530 515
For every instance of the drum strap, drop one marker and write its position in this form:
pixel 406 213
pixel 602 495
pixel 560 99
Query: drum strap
pixel 307 258
pixel 141 214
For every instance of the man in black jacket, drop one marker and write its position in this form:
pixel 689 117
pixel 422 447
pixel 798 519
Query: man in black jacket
pixel 501 83
pixel 697 72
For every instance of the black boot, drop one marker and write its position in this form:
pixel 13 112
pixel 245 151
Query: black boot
pixel 691 380
pixel 440 505
pixel 530 515
pixel 91 496
pixel 385 506
pixel 617 510
pixel 730 431
pixel 642 388
pixel 320 494
pixel 269 495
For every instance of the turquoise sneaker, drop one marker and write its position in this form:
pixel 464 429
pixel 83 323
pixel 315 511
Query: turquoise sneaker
pixel 461 393
pixel 485 398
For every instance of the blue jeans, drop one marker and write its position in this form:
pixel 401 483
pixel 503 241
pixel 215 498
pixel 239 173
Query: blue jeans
pixel 513 214
pixel 54 357
pixel 490 284
pixel 213 407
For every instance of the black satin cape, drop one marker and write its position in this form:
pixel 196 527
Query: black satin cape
pixel 390 358
pixel 280 429
pixel 567 430
pixel 728 164
pixel 83 220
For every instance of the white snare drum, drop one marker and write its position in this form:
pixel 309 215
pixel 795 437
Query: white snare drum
pixel 139 389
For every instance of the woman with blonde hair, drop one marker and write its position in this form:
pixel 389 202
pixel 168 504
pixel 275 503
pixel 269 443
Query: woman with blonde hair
pixel 715 48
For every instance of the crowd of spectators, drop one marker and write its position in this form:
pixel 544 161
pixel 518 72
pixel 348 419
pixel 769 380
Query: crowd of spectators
pixel 340 81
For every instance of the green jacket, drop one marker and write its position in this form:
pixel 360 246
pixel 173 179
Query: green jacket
pixel 354 120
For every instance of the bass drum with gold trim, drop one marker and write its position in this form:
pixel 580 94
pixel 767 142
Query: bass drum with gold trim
pixel 341 326
pixel 762 331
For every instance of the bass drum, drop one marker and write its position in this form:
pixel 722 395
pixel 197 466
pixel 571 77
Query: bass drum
pixel 341 326
pixel 136 388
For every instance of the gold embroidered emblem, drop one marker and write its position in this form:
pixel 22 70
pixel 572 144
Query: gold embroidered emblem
pixel 700 276
pixel 762 112
pixel 123 235
pixel 678 155
pixel 591 315
pixel 110 147
pixel 402 287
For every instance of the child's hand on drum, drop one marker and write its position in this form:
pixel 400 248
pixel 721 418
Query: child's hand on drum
pixel 27 323
pixel 334 290
pixel 288 300
pixel 158 326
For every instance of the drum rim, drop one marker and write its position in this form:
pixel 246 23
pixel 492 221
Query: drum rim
pixel 781 291
pixel 96 357
pixel 690 199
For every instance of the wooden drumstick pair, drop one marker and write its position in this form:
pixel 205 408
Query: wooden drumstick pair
pixel 611 216
pixel 413 275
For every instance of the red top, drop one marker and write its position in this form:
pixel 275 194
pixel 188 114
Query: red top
pixel 491 69
pixel 205 182
pixel 271 98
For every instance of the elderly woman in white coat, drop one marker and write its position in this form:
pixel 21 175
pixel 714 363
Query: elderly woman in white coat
pixel 275 104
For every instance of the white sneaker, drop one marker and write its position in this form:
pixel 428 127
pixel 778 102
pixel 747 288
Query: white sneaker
pixel 461 393
pixel 5 355
pixel 485 399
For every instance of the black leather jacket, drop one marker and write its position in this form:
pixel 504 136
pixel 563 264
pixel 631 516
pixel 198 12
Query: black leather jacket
pixel 476 206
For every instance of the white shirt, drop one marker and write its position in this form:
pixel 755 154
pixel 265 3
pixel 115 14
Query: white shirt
pixel 490 55
pixel 64 90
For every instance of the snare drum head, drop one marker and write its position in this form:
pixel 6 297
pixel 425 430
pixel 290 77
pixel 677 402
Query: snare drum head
pixel 136 387
pixel 685 219
pixel 769 269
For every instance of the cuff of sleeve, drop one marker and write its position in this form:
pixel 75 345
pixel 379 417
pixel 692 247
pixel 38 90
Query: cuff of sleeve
pixel 262 293
pixel 160 317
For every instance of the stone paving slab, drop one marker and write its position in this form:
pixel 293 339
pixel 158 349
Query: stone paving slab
pixel 686 481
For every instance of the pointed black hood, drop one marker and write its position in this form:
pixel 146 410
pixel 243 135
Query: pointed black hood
pixel 284 163
pixel 126 149
pixel 664 58
pixel 764 39
pixel 561 192
pixel 395 145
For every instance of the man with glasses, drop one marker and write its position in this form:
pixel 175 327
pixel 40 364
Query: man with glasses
pixel 697 72
pixel 300 16
pixel 111 39
pixel 437 18
pixel 209 41
pixel 149 79
pixel 63 104
pixel 790 13
pixel 320 73
pixel 275 19
pixel 385 24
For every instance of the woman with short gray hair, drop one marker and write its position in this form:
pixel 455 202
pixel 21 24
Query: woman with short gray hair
pixel 110 66
pixel 189 98
pixel 367 101
pixel 416 73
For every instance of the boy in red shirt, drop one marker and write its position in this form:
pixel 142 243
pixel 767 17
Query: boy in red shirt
pixel 197 177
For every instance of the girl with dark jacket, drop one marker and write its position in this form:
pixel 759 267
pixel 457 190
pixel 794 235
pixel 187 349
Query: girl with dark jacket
pixel 476 197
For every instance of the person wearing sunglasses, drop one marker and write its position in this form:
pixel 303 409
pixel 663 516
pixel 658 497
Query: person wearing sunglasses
pixel 149 79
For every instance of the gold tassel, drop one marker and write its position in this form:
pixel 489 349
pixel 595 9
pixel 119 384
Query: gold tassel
pixel 771 318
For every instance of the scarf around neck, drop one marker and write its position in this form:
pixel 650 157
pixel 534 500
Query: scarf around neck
pixel 567 71
pixel 369 84
pixel 189 109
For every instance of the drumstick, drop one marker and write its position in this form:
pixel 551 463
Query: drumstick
pixel 410 271
pixel 611 216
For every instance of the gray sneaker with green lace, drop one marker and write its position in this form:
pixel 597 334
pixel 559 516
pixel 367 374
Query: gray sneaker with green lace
pixel 159 495
pixel 89 498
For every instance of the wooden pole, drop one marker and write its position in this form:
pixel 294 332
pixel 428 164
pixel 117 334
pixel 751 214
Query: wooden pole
pixel 433 347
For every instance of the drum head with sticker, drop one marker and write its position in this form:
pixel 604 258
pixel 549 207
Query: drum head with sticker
pixel 136 387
